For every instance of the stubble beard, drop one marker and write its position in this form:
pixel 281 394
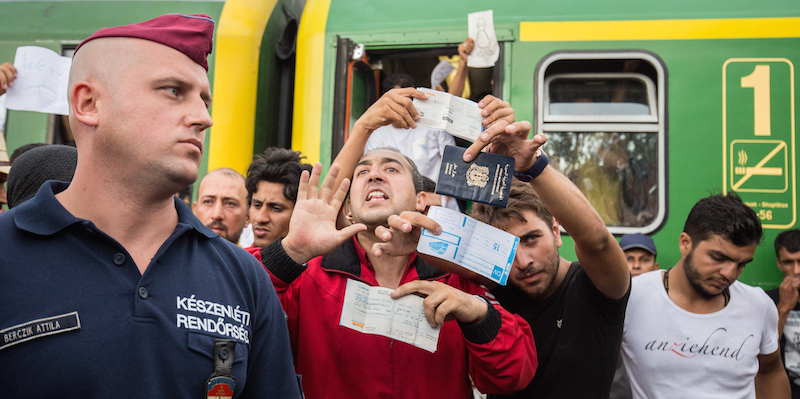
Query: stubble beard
pixel 551 271
pixel 695 279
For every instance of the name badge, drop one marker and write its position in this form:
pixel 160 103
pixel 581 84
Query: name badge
pixel 39 328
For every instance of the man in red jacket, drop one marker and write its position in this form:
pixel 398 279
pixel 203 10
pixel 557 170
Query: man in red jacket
pixel 477 340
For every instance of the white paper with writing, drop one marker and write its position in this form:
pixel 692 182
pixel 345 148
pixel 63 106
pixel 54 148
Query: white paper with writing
pixel 41 83
pixel 471 244
pixel 481 30
pixel 371 310
pixel 459 117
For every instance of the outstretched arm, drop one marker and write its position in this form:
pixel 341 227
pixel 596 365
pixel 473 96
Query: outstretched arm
pixel 460 80
pixel 597 250
pixel 394 108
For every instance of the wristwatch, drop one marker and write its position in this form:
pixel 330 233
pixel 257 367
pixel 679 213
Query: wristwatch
pixel 535 170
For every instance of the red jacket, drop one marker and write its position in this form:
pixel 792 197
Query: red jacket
pixel 338 362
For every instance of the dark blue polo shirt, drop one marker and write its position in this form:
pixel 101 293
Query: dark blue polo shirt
pixel 77 319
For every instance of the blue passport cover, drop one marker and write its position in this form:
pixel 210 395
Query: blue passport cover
pixel 487 179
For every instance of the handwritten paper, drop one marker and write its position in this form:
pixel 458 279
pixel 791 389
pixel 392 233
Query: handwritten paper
pixel 441 72
pixel 371 310
pixel 41 83
pixel 459 117
pixel 481 30
pixel 473 245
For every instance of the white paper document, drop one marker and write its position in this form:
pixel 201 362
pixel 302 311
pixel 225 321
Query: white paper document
pixel 481 30
pixel 459 117
pixel 440 73
pixel 371 310
pixel 474 245
pixel 41 83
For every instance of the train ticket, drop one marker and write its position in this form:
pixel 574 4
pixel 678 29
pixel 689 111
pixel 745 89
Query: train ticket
pixel 371 310
pixel 468 243
pixel 459 117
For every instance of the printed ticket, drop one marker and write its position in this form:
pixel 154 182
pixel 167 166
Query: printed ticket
pixel 473 245
pixel 459 117
pixel 371 310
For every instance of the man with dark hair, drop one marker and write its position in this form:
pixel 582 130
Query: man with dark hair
pixel 271 184
pixel 693 330
pixel 222 203
pixel 575 309
pixel 109 285
pixel 787 298
pixel 423 144
pixel 476 340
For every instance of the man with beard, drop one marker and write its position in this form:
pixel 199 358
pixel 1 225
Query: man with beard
pixel 222 203
pixel 575 309
pixel 787 298
pixel 476 340
pixel 693 330
pixel 272 180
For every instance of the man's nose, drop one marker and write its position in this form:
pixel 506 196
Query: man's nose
pixel 796 268
pixel 729 271
pixel 263 215
pixel 216 211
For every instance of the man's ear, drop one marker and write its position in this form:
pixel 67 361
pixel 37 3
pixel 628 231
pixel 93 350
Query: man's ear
pixel 422 201
pixel 194 206
pixel 83 98
pixel 684 244
pixel 557 232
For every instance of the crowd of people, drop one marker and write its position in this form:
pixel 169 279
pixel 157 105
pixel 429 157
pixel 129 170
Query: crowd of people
pixel 112 286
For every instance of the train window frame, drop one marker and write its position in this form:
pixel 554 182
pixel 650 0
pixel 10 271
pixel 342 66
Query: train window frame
pixel 655 122
pixel 652 116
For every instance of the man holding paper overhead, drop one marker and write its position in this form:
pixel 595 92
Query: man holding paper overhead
pixel 576 309
pixel 337 352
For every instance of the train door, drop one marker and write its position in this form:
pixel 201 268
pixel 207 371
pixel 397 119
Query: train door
pixel 605 117
pixel 360 71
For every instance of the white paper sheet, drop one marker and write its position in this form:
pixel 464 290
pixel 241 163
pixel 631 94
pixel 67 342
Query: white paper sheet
pixel 41 83
pixel 459 117
pixel 440 73
pixel 371 310
pixel 471 244
pixel 481 30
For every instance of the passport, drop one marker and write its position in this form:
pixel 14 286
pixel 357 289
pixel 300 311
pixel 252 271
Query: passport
pixel 487 179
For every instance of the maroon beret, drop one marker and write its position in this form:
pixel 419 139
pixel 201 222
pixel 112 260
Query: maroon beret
pixel 189 34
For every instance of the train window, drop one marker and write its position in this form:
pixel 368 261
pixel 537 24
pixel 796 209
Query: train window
pixel 604 116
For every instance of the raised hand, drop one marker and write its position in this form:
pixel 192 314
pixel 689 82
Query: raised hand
pixel 394 108
pixel 511 140
pixel 312 228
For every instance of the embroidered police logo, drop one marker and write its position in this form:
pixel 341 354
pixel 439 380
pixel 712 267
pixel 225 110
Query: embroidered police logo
pixel 477 175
